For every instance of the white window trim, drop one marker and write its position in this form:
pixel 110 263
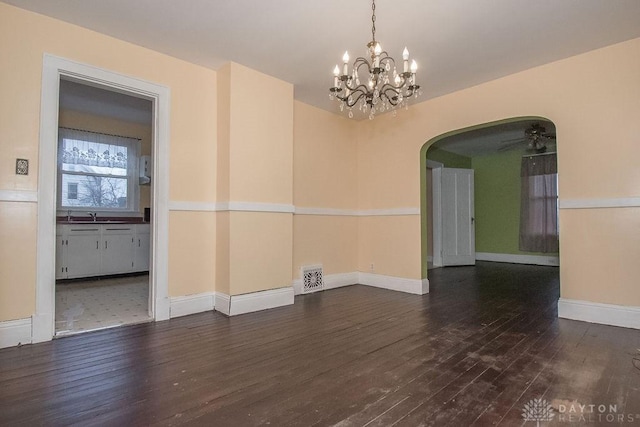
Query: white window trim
pixel 133 190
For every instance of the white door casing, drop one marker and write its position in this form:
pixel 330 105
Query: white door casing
pixel 54 68
pixel 458 222
pixel 436 209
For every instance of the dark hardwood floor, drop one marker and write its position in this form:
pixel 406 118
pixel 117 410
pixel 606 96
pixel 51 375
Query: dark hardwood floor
pixel 480 346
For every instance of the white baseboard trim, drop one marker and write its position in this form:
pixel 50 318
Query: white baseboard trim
pixel 192 304
pixel 606 314
pixel 519 259
pixel 255 301
pixel 401 284
pixel 223 303
pixel 331 281
pixel 15 332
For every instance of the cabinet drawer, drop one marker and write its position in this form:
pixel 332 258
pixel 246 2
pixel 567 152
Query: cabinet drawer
pixel 118 229
pixel 81 230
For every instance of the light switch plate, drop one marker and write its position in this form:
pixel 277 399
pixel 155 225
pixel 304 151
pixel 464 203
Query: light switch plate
pixel 22 167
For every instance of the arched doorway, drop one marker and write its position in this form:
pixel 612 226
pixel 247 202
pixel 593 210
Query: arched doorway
pixel 499 149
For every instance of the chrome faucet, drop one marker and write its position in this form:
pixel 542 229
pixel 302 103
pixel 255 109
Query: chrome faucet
pixel 69 215
pixel 93 215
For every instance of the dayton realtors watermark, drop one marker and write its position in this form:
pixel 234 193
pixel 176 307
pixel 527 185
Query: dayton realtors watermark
pixel 539 410
pixel 592 413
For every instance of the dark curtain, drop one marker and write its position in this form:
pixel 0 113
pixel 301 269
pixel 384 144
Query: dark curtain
pixel 539 204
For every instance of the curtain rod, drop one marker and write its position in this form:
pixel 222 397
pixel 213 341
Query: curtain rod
pixel 100 133
pixel 539 154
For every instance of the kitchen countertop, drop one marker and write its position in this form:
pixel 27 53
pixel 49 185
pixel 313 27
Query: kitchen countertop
pixel 100 220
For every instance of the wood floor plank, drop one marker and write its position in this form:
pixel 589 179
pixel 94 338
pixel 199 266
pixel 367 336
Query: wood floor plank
pixel 483 343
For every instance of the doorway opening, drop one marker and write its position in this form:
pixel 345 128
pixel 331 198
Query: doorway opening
pixel 480 206
pixel 104 187
pixel 55 71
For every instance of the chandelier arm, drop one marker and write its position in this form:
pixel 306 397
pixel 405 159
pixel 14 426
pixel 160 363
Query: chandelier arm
pixel 354 99
pixel 360 61
pixel 384 55
pixel 394 99
pixel 353 92
pixel 403 83
pixel 361 87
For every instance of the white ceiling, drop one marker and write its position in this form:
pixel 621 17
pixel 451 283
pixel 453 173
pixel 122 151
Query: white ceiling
pixel 102 102
pixel 457 43
pixel 494 139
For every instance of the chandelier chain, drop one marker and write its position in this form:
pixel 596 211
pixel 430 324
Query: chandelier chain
pixel 373 20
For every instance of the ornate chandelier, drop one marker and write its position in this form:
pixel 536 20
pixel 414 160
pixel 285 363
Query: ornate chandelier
pixel 372 85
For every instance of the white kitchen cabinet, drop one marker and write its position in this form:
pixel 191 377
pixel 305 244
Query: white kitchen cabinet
pixel 142 248
pixel 117 250
pixel 82 251
pixel 61 250
pixel 86 250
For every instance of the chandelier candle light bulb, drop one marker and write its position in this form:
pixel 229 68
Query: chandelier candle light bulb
pixel 386 89
pixel 405 57
pixel 345 59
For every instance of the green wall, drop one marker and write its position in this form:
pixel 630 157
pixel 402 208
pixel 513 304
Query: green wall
pixel 450 160
pixel 497 203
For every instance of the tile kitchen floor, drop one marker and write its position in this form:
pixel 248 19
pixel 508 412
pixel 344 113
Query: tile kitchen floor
pixel 97 304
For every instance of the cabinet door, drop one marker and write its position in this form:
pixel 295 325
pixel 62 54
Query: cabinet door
pixel 61 259
pixel 117 253
pixel 83 255
pixel 142 252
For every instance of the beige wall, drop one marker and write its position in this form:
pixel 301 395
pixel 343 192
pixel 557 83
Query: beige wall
pixel 17 260
pixel 255 135
pixel 26 37
pixel 84 121
pixel 599 255
pixel 325 159
pixel 391 244
pixel 260 253
pixel 261 137
pixel 192 252
pixel 593 101
pixel 324 176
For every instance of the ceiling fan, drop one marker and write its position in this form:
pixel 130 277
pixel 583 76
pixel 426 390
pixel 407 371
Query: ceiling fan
pixel 535 136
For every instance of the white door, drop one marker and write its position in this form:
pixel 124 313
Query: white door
pixel 458 228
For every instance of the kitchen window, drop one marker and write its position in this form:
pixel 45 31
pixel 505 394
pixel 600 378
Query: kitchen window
pixel 97 171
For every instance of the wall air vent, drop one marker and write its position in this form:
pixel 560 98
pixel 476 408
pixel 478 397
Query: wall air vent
pixel 312 279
